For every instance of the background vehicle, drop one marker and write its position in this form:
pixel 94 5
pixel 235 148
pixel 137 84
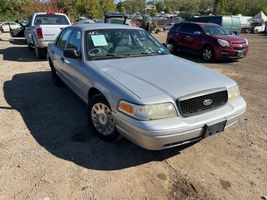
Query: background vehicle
pixel 42 29
pixel 210 40
pixel 84 20
pixel 168 26
pixel 17 28
pixel 259 29
pixel 115 18
pixel 232 24
pixel 134 87
pixel 245 23
pixel 4 27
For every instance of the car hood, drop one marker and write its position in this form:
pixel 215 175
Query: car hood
pixel 162 75
pixel 230 38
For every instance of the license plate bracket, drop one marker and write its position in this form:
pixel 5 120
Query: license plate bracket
pixel 240 54
pixel 213 129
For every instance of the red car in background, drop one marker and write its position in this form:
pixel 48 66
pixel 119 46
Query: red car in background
pixel 208 39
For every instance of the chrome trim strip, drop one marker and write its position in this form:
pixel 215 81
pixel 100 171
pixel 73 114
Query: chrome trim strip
pixel 202 93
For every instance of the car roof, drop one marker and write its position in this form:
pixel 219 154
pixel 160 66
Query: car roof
pixel 88 27
pixel 200 23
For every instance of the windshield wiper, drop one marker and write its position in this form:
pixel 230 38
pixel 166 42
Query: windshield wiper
pixel 146 54
pixel 108 56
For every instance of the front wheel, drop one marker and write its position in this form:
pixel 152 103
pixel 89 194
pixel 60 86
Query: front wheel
pixel 101 119
pixel 208 54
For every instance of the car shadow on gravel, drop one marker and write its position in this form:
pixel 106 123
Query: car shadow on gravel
pixel 17 41
pixel 197 59
pixel 57 120
pixel 19 54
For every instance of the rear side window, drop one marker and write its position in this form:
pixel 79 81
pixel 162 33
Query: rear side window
pixel 175 27
pixel 62 40
pixel 75 40
pixel 51 20
pixel 189 28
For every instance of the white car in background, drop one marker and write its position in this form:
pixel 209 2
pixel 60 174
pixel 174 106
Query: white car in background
pixel 4 27
pixel 259 29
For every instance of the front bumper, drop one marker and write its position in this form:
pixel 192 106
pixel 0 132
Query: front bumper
pixel 167 133
pixel 224 53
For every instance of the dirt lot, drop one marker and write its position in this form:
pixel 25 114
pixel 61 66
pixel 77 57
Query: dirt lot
pixel 48 152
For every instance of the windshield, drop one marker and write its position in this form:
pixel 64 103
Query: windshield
pixel 51 20
pixel 121 43
pixel 214 30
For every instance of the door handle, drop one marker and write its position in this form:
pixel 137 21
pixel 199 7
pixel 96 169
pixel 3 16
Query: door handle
pixel 188 36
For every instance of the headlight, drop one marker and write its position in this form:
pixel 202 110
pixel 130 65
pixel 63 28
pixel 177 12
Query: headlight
pixel 246 41
pixel 148 112
pixel 233 92
pixel 223 43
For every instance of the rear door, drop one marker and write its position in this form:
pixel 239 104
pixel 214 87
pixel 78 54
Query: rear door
pixel 190 37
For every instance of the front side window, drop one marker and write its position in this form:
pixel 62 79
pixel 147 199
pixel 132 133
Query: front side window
pixel 51 19
pixel 75 40
pixel 61 42
pixel 118 43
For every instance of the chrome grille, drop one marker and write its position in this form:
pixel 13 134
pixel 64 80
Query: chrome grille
pixel 239 48
pixel 195 105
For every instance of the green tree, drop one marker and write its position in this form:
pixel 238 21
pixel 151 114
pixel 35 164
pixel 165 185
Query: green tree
pixel 168 9
pixel 220 7
pixel 160 6
pixel 123 10
pixel 107 6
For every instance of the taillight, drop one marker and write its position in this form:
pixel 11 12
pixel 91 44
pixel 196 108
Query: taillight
pixel 39 33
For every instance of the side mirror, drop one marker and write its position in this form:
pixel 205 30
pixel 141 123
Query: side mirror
pixel 71 53
pixel 197 33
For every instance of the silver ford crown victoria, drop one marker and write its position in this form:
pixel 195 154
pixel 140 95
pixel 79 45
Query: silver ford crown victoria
pixel 135 88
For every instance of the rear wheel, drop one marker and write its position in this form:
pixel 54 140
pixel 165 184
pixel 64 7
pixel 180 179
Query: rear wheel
pixel 55 78
pixel 208 54
pixel 101 119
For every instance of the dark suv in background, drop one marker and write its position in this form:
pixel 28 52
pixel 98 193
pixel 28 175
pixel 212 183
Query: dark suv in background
pixel 208 39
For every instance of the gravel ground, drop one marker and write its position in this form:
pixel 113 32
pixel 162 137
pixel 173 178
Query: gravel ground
pixel 48 152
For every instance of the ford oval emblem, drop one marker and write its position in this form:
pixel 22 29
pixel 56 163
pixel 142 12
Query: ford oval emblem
pixel 207 102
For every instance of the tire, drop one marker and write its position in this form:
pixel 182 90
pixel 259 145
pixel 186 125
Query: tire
pixel 208 54
pixel 40 53
pixel 101 120
pixel 29 46
pixel 55 78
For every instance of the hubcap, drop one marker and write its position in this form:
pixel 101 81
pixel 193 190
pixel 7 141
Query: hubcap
pixel 102 119
pixel 207 54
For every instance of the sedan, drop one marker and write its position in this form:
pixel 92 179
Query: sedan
pixel 135 88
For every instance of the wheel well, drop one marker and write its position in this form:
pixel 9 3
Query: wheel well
pixel 50 63
pixel 92 92
pixel 207 45
pixel 169 41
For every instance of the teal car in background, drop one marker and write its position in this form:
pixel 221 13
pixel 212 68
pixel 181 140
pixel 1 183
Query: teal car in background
pixel 232 24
